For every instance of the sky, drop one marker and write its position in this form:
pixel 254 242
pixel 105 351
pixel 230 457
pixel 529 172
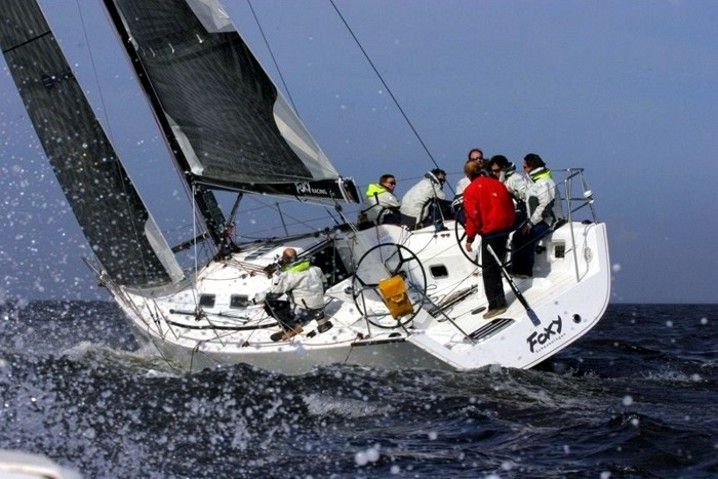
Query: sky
pixel 627 90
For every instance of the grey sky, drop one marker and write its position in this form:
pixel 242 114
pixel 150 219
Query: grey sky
pixel 628 90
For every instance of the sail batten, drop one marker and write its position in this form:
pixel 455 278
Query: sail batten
pixel 121 232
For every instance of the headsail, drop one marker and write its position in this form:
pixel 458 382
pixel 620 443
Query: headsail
pixel 232 126
pixel 120 230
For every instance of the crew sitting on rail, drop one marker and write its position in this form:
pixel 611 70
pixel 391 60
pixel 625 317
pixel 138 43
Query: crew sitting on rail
pixel 425 196
pixel 303 284
pixel 383 205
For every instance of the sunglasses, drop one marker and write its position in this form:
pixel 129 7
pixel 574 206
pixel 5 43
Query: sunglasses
pixel 393 183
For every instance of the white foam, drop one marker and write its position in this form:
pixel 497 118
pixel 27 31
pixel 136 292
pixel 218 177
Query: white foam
pixel 321 405
pixel 80 350
pixel 145 358
pixel 668 375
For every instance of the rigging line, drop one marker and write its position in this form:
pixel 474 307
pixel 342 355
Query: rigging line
pixel 281 217
pixel 124 178
pixel 329 213
pixel 194 235
pixel 233 213
pixel 296 220
pixel 396 102
pixel 274 59
pixel 306 223
pixel 94 71
pixel 146 94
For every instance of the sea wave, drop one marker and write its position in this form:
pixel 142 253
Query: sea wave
pixel 76 385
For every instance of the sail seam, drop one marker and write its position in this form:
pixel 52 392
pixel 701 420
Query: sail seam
pixel 27 41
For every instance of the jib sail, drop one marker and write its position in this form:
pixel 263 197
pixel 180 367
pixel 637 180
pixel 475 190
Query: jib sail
pixel 113 218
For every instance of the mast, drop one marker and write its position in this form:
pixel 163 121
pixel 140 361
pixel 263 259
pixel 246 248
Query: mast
pixel 203 197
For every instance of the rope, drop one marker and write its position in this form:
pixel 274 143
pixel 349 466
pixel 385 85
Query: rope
pixel 194 235
pixel 117 163
pixel 396 102
pixel 271 53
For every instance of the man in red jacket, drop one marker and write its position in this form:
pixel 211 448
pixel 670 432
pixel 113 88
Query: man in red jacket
pixel 490 213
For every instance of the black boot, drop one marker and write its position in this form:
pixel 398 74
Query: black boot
pixel 287 334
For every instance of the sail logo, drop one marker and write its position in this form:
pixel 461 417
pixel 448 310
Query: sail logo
pixel 307 188
pixel 49 81
pixel 553 330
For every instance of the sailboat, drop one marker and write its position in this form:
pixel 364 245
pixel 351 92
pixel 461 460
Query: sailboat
pixel 396 297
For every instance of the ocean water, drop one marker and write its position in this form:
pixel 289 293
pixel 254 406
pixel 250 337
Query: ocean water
pixel 636 397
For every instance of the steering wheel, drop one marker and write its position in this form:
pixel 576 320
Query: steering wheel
pixel 461 236
pixel 381 262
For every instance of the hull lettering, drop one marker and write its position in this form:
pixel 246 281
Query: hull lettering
pixel 553 330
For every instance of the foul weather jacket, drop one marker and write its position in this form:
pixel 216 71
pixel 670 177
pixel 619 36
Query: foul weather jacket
pixel 303 282
pixel 540 195
pixel 381 201
pixel 514 182
pixel 488 207
pixel 414 201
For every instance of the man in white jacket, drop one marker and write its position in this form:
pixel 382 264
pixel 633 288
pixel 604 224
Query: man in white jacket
pixel 475 154
pixel 540 195
pixel 304 286
pixel 415 203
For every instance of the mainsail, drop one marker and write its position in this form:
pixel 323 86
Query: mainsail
pixel 113 218
pixel 229 126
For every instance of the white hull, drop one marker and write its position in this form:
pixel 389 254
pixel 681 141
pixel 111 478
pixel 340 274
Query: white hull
pixel 568 294
pixel 204 318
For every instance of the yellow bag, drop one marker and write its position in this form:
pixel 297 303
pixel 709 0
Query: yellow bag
pixel 393 292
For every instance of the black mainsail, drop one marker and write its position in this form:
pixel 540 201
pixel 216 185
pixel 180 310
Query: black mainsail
pixel 113 218
pixel 228 125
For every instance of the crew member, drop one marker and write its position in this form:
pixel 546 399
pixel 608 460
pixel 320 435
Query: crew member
pixel 540 195
pixel 303 284
pixel 490 213
pixel 384 207
pixel 505 171
pixel 417 202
